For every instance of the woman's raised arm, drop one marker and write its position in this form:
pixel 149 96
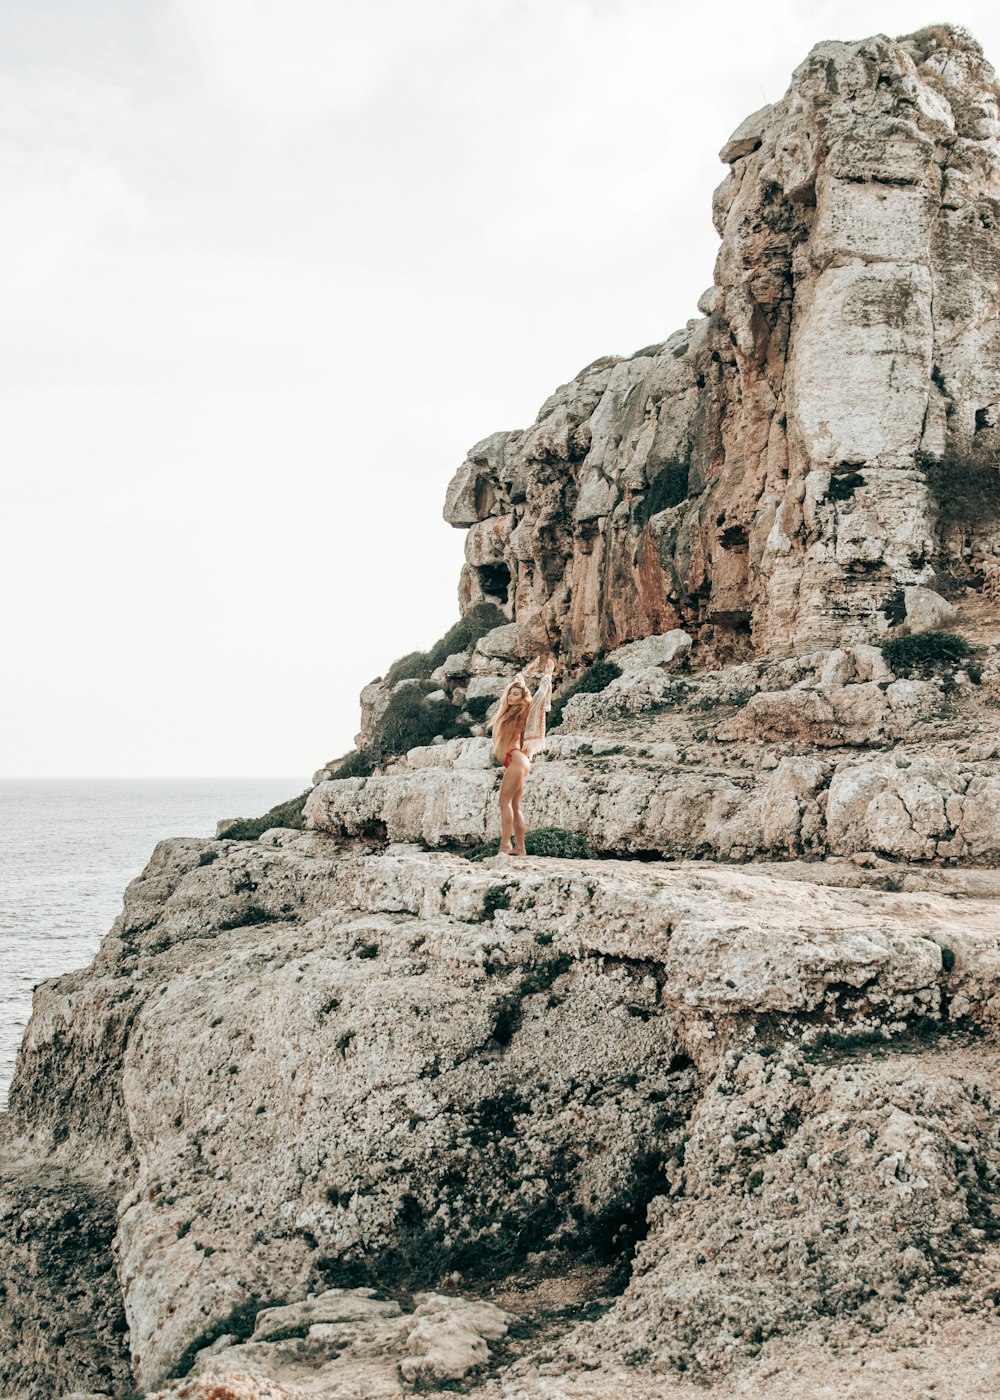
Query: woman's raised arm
pixel 534 725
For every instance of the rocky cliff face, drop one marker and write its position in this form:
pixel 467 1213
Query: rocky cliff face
pixel 341 1112
pixel 301 1069
pixel 774 475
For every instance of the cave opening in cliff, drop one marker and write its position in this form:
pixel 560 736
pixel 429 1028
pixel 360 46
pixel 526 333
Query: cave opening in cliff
pixel 733 639
pixel 666 489
pixel 734 537
pixel 494 581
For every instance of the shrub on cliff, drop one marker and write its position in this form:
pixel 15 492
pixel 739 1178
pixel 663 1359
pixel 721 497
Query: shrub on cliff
pixel 478 706
pixel 543 841
pixel 963 485
pixel 417 665
pixel 653 349
pixel 595 678
pixel 557 841
pixel 410 720
pixel 356 764
pixel 412 666
pixel 926 653
pixel 288 814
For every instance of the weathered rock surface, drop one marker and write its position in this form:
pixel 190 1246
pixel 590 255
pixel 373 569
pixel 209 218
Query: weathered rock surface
pixel 402 1065
pixel 348 1342
pixel 62 1324
pixel 766 476
pixel 780 772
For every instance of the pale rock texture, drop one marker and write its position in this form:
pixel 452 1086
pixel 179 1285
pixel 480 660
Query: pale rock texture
pixel 832 716
pixel 450 1021
pixel 658 650
pixel 346 1342
pixel 797 1199
pixel 765 477
pixel 236 1385
pixel 926 611
pixel 782 772
pixel 374 698
pixel 927 807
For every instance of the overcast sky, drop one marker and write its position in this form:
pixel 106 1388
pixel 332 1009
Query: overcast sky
pixel 267 269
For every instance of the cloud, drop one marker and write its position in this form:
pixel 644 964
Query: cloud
pixel 286 65
pixel 50 214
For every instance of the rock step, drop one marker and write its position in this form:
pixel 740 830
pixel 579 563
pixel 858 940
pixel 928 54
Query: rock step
pixel 912 808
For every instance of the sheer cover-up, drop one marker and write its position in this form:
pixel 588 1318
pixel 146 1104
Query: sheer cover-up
pixel 534 725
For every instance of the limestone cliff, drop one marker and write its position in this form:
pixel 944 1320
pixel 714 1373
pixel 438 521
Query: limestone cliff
pixel 296 1067
pixel 350 1111
pixel 774 475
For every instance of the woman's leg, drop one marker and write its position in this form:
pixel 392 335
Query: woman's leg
pixel 518 820
pixel 507 790
pixel 513 781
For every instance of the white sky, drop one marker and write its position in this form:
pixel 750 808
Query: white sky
pixel 267 269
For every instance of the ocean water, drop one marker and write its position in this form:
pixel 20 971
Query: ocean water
pixel 68 848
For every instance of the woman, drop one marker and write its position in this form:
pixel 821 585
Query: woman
pixel 518 732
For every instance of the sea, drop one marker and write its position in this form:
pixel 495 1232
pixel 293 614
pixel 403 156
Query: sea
pixel 68 848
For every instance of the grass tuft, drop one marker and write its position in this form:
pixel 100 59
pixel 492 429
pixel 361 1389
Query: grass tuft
pixel 356 764
pixel 543 841
pixel 497 897
pixel 557 841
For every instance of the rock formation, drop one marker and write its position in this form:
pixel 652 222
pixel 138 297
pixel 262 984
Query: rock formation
pixel 775 475
pixel 352 1111
pixel 806 756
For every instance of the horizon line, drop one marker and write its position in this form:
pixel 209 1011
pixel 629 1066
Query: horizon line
pixel 142 777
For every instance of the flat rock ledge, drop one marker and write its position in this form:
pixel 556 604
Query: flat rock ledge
pixel 911 807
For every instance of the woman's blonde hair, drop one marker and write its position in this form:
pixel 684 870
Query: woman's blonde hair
pixel 508 722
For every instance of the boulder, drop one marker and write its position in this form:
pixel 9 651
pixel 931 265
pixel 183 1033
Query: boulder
pixel 665 650
pixel 487 687
pixel 516 642
pixel 927 611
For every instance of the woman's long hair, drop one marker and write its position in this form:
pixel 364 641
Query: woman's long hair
pixel 508 722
